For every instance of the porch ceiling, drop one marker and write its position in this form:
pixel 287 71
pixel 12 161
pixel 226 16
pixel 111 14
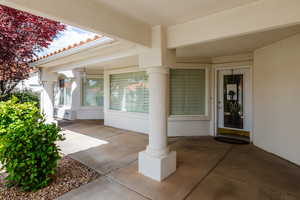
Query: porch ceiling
pixel 89 15
pixel 187 22
pixel 170 12
pixel 237 45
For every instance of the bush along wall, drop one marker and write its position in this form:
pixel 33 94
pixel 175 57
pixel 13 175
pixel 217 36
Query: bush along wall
pixel 24 96
pixel 28 151
pixel 27 96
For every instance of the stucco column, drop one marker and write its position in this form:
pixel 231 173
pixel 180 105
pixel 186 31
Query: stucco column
pixel 76 90
pixel 157 111
pixel 47 101
pixel 157 162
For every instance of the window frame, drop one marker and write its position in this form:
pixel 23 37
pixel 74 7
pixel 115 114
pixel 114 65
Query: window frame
pixel 206 115
pixel 59 105
pixel 108 91
pixel 101 76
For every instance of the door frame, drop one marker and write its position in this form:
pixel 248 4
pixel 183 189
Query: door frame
pixel 215 92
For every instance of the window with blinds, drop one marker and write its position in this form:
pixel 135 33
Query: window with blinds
pixel 92 92
pixel 62 92
pixel 187 90
pixel 129 92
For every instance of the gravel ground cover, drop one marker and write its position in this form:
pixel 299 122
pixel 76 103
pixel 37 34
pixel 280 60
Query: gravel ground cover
pixel 70 174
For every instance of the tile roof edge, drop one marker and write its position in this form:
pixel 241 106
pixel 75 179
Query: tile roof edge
pixel 75 45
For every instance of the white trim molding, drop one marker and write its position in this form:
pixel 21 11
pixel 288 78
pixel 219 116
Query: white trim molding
pixel 216 69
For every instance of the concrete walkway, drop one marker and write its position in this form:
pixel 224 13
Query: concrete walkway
pixel 207 170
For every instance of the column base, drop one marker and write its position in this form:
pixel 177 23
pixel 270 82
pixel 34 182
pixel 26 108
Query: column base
pixel 157 168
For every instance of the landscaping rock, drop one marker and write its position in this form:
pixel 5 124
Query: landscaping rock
pixel 70 174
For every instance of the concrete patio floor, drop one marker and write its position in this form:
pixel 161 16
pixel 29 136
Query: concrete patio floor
pixel 207 170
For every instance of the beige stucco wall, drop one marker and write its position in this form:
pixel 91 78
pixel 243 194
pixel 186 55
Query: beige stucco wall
pixel 277 98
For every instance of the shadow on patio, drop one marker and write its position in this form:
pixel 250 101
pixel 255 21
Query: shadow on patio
pixel 206 170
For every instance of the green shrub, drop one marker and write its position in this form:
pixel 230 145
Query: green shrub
pixel 28 151
pixel 27 96
pixel 24 96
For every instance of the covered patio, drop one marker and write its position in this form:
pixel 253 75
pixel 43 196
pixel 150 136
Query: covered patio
pixel 206 169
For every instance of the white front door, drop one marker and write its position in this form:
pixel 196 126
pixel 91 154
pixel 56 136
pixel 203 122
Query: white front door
pixel 234 99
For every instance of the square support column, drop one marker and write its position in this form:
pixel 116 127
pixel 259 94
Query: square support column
pixel 47 101
pixel 48 79
pixel 157 162
pixel 76 89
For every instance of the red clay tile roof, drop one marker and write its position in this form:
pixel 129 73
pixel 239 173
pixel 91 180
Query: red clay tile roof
pixel 67 48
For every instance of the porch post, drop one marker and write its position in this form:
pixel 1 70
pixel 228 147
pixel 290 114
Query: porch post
pixel 47 79
pixel 47 101
pixel 76 90
pixel 157 162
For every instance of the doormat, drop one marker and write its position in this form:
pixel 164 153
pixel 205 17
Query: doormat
pixel 229 132
pixel 231 140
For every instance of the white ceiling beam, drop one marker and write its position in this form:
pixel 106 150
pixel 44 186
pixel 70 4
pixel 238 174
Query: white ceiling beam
pixel 88 15
pixel 259 16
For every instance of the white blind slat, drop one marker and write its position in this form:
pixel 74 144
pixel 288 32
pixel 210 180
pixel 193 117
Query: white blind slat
pixel 187 92
pixel 129 92
pixel 92 92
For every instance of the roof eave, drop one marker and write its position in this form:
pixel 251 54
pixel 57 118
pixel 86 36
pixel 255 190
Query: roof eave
pixel 71 51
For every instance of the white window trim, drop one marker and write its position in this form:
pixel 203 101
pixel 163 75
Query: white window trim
pixel 62 106
pixel 135 115
pixel 218 67
pixel 206 116
pixel 91 76
pixel 107 92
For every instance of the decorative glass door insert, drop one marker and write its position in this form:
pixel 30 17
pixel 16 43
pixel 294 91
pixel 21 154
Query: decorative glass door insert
pixel 233 101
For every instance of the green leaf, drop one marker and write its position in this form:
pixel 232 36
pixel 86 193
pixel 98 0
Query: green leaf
pixel 27 145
